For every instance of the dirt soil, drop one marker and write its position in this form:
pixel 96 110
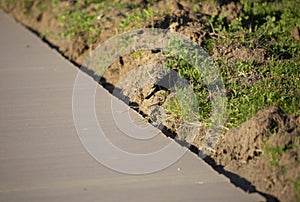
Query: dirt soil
pixel 260 150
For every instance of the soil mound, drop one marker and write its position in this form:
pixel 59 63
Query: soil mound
pixel 263 151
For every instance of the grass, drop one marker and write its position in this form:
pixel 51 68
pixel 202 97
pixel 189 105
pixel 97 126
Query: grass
pixel 274 83
pixel 250 85
pixel 187 71
pixel 79 23
pixel 136 18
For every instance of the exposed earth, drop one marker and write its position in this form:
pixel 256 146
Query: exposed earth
pixel 263 152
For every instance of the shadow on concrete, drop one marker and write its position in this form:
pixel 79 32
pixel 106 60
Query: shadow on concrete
pixel 235 179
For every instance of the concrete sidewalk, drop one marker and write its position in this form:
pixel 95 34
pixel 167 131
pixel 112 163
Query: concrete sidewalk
pixel 41 156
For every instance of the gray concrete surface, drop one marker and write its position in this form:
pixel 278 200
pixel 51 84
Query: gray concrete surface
pixel 41 156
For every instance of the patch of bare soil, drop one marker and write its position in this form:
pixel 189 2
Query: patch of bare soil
pixel 260 150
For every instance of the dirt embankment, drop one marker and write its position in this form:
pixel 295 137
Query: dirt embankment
pixel 263 150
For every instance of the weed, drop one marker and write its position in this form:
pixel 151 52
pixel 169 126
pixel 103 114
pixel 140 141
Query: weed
pixel 137 17
pixel 78 23
pixel 275 153
pixel 138 55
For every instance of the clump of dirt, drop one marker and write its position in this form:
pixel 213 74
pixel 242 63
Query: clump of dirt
pixel 231 10
pixel 263 150
pixel 295 34
pixel 232 52
pixel 128 62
